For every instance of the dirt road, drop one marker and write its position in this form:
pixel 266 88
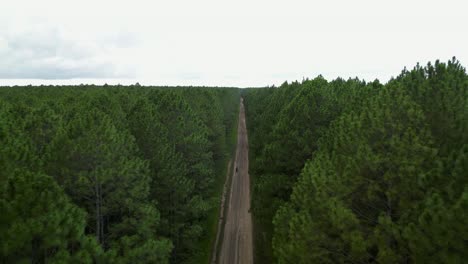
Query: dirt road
pixel 236 245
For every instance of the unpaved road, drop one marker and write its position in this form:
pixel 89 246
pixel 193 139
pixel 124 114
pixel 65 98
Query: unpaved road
pixel 236 244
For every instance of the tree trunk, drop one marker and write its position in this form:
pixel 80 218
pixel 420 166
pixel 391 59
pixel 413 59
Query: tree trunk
pixel 101 219
pixel 98 209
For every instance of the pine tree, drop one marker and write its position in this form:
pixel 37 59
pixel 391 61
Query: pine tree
pixel 366 185
pixel 97 166
pixel 39 224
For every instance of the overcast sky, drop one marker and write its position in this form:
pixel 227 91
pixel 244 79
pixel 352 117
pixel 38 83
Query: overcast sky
pixel 224 43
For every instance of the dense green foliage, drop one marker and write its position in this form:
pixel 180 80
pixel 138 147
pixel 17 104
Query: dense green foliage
pixel 355 172
pixel 110 174
pixel 342 172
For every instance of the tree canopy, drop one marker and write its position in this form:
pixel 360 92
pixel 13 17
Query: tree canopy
pixel 349 171
pixel 111 174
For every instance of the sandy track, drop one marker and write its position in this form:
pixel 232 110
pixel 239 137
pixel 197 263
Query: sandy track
pixel 236 246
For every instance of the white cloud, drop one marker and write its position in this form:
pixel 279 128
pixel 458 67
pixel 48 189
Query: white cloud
pixel 235 43
pixel 48 51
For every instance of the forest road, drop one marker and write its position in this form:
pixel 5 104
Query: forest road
pixel 237 245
